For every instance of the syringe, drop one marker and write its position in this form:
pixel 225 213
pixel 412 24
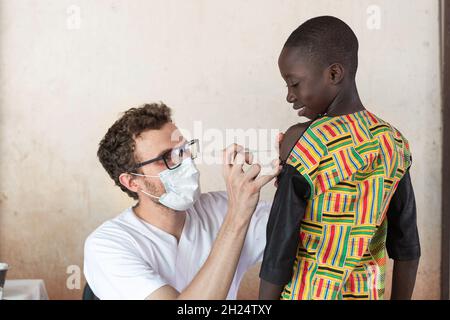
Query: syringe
pixel 217 152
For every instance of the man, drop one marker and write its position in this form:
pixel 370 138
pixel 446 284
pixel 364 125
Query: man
pixel 175 243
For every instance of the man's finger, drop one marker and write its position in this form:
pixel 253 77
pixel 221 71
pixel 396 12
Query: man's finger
pixel 238 163
pixel 264 179
pixel 252 172
pixel 248 157
pixel 229 154
pixel 275 164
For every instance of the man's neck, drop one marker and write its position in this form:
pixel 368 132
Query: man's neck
pixel 163 218
pixel 347 101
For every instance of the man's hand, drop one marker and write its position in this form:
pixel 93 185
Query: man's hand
pixel 243 188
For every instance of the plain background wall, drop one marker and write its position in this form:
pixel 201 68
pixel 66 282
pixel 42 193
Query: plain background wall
pixel 62 84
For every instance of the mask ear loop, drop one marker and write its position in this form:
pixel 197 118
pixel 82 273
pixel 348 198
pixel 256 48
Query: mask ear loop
pixel 148 176
pixel 143 175
pixel 150 195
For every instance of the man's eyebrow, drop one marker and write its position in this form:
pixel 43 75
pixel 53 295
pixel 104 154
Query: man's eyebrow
pixel 163 152
pixel 169 149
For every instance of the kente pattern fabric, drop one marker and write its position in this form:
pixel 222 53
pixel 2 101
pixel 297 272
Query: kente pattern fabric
pixel 352 164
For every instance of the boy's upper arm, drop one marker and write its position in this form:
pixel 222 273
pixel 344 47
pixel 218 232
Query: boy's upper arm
pixel 402 242
pixel 290 138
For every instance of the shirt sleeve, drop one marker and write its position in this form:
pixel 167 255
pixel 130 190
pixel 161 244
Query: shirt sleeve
pixel 402 242
pixel 115 270
pixel 282 235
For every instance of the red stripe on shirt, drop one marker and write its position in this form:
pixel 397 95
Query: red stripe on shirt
pixel 365 196
pixel 302 236
pixel 374 121
pixel 344 161
pixel 319 290
pixel 336 204
pixel 330 131
pixel 388 147
pixel 307 153
pixel 354 128
pixel 352 283
pixel 321 183
pixel 360 246
pixel 330 244
pixel 303 281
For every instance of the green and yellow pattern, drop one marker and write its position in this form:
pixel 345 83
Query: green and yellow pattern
pixel 353 164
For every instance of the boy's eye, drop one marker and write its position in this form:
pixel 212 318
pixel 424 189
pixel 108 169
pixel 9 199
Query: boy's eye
pixel 292 85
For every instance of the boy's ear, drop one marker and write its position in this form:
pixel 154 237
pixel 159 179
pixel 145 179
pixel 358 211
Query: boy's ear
pixel 336 73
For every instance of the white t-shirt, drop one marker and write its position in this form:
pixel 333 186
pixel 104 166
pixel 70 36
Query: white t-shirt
pixel 128 258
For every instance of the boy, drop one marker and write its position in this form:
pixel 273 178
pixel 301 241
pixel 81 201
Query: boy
pixel 344 193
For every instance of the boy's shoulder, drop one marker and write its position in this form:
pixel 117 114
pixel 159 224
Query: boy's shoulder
pixel 361 130
pixel 290 138
pixel 360 127
pixel 380 128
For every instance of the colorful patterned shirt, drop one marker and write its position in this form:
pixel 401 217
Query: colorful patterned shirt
pixel 344 195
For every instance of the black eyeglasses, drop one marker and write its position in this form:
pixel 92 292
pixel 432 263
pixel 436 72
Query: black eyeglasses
pixel 174 157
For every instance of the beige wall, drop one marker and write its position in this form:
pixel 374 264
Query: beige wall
pixel 63 84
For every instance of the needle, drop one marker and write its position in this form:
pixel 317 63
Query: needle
pixel 218 152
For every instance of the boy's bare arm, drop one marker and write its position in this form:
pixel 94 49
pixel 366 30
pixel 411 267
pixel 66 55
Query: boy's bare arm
pixel 291 137
pixel 404 279
pixel 269 291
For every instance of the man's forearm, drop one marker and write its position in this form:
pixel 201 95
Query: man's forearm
pixel 404 279
pixel 214 279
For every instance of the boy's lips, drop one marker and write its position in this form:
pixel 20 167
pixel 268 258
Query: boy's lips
pixel 301 109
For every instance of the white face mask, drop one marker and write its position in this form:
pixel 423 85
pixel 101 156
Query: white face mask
pixel 181 184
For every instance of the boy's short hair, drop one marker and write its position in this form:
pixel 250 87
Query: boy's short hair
pixel 116 149
pixel 327 40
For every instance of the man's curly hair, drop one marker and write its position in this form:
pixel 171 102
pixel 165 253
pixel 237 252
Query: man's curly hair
pixel 116 149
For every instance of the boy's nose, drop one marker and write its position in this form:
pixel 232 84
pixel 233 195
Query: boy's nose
pixel 291 98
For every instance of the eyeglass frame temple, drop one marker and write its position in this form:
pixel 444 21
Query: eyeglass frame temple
pixel 162 157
